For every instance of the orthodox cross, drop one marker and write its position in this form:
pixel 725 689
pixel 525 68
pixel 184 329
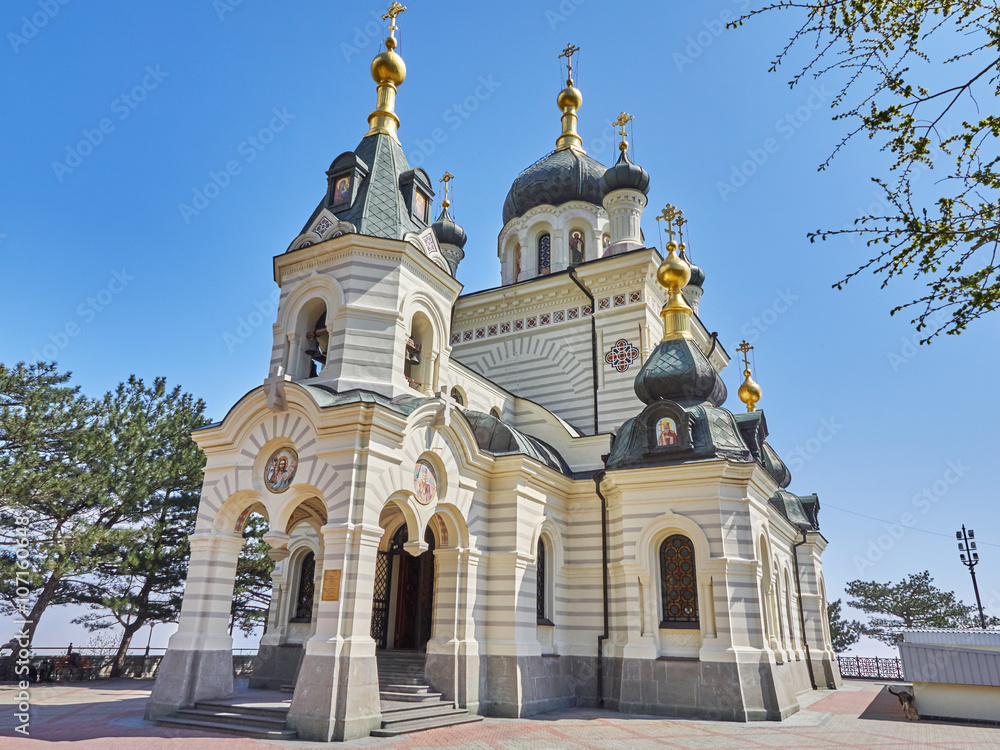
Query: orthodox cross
pixel 394 10
pixel 745 349
pixel 623 119
pixel 448 177
pixel 680 221
pixel 670 214
pixel 568 54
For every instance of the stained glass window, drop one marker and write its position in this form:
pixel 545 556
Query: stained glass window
pixel 540 581
pixel 544 254
pixel 307 587
pixel 678 581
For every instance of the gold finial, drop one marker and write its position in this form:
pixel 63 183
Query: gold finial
pixel 389 72
pixel 568 54
pixel 673 275
pixel 623 119
pixel 448 177
pixel 569 101
pixel 750 393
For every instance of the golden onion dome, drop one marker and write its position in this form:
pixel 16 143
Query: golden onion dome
pixel 750 393
pixel 673 272
pixel 570 98
pixel 388 66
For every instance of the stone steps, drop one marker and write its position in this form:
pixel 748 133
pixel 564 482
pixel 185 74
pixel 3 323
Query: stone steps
pixel 408 727
pixel 225 728
pixel 254 721
pixel 408 705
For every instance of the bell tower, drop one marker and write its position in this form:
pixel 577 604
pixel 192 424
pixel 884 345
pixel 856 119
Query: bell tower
pixel 368 285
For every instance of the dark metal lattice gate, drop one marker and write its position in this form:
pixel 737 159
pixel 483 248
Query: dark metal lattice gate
pixel 380 601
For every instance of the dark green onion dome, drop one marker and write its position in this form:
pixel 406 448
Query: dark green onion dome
pixel 447 231
pixel 625 176
pixel 562 176
pixel 697 275
pixel 714 434
pixel 679 371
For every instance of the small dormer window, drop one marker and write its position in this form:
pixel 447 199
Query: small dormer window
pixel 415 188
pixel 317 344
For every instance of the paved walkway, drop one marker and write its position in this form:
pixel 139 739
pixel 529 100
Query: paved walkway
pixel 107 715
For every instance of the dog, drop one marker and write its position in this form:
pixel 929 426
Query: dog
pixel 906 701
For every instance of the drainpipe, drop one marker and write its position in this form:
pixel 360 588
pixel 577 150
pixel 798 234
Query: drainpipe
pixel 593 341
pixel 802 614
pixel 598 477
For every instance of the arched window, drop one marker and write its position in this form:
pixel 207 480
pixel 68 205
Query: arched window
pixel 457 395
pixel 577 248
pixel 544 254
pixel 679 585
pixel 307 588
pixel 541 577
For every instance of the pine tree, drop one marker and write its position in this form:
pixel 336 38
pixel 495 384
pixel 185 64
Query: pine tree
pixel 157 475
pixel 914 602
pixel 53 477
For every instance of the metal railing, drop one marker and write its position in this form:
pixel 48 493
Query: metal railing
pixel 871 667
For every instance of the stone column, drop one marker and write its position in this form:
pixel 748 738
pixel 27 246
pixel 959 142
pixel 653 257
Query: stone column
pixel 198 664
pixel 337 694
pixel 560 252
pixel 441 668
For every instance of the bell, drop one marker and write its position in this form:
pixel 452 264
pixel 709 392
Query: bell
pixel 413 357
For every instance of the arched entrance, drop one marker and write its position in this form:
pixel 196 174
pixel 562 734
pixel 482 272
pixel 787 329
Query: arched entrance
pixel 403 603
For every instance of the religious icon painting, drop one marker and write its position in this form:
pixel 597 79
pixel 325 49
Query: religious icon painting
pixel 419 205
pixel 666 432
pixel 576 247
pixel 280 469
pixel 342 190
pixel 424 482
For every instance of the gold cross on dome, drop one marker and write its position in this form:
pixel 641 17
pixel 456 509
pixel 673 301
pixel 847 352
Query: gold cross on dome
pixel 394 10
pixel 745 349
pixel 623 119
pixel 448 177
pixel 670 215
pixel 568 54
pixel 680 221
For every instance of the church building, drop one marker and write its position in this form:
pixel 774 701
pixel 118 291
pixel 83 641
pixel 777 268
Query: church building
pixel 506 501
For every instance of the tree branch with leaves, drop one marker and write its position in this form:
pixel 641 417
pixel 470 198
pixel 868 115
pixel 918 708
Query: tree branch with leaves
pixel 915 76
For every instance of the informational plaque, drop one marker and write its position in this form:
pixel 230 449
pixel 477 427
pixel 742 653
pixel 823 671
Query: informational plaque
pixel 331 585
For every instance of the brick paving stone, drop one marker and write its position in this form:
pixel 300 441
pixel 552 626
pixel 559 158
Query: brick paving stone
pixel 107 715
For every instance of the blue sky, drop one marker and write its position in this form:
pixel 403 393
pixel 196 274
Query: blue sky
pixel 157 156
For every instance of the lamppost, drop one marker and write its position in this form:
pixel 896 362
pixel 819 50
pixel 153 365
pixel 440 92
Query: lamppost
pixel 970 558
